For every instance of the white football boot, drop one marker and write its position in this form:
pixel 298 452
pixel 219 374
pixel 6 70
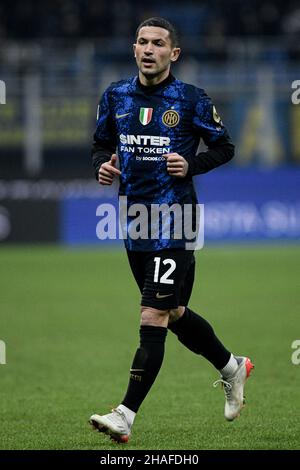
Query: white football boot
pixel 234 388
pixel 114 424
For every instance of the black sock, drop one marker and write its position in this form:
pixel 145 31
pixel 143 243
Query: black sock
pixel 198 335
pixel 146 365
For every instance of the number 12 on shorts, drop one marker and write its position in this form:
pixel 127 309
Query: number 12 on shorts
pixel 165 278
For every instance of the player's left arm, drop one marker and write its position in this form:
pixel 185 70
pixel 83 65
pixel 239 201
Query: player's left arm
pixel 176 165
pixel 209 126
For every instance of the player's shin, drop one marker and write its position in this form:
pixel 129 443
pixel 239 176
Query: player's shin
pixel 146 365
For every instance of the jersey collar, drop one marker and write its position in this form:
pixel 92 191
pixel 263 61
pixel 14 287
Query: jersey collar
pixel 153 88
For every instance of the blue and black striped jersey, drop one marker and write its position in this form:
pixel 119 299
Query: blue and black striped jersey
pixel 142 124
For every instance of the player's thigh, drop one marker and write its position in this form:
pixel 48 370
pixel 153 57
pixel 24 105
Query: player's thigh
pixel 165 274
pixel 137 265
pixel 187 283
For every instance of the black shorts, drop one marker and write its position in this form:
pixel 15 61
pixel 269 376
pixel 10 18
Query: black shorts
pixel 165 278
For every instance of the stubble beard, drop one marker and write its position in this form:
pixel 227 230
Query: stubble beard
pixel 150 74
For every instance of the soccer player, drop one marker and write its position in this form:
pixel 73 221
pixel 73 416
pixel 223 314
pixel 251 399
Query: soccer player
pixel 152 123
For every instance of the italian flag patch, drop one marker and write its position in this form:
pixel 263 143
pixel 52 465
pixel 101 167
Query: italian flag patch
pixel 145 115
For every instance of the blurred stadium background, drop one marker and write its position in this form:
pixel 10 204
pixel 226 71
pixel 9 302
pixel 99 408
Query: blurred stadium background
pixel 56 58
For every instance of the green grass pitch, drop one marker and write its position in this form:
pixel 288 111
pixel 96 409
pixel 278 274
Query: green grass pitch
pixel 70 321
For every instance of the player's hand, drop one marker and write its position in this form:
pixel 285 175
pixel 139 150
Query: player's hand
pixel 108 171
pixel 176 165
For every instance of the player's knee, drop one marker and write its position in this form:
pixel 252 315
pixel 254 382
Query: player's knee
pixel 175 314
pixel 154 317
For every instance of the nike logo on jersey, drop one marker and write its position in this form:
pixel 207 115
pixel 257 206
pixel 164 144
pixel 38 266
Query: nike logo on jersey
pixel 162 296
pixel 119 116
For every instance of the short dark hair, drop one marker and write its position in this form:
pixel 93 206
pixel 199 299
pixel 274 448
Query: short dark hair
pixel 160 23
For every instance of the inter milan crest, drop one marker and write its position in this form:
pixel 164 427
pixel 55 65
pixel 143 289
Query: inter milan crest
pixel 170 118
pixel 145 115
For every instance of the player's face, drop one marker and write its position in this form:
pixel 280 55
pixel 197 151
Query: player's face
pixel 154 53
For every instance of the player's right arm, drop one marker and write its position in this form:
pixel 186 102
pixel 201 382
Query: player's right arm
pixel 208 125
pixel 104 144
